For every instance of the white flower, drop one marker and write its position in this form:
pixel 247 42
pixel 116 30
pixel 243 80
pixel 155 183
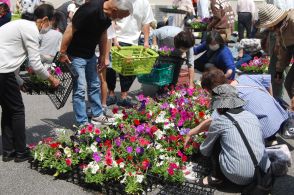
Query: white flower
pixel 35 156
pixel 161 157
pixel 158 146
pixel 67 152
pixel 161 117
pixel 172 106
pixel 118 116
pixel 140 178
pixel 93 166
pixel 168 126
pixel 124 179
pixel 178 95
pixel 159 134
pixel 121 165
pixel 93 148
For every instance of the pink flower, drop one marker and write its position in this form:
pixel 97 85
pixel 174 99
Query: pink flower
pixel 58 71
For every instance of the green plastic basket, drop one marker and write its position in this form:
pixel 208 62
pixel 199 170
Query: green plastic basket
pixel 163 72
pixel 133 60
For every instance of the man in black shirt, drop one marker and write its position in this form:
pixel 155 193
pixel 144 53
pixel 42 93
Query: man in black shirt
pixel 89 28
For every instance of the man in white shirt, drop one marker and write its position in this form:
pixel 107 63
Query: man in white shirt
pixel 203 9
pixel 246 14
pixel 128 31
pixel 19 40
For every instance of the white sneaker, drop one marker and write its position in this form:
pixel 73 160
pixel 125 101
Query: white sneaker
pixel 107 112
pixel 102 120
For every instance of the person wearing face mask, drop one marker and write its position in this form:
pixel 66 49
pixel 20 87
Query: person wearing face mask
pixel 50 42
pixel 19 40
pixel 182 41
pixel 87 30
pixel 216 54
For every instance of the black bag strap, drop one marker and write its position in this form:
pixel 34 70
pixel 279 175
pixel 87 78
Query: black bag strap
pixel 253 157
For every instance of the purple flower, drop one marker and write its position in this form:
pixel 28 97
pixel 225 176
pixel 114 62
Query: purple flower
pixel 98 139
pixel 139 150
pixel 164 106
pixel 129 149
pixel 184 131
pixel 140 129
pixel 77 150
pixel 96 157
pixel 118 142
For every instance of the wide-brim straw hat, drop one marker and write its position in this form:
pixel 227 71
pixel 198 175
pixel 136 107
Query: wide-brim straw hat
pixel 269 16
pixel 226 96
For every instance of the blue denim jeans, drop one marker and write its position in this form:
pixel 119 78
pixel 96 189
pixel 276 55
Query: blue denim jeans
pixel 87 80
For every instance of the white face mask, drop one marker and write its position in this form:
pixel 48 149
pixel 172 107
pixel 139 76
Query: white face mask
pixel 214 47
pixel 45 30
pixel 79 2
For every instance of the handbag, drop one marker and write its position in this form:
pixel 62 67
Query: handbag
pixel 262 181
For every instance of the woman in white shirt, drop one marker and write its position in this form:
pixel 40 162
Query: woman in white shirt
pixel 19 40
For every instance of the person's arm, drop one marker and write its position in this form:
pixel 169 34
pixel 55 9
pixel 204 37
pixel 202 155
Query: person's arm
pixel 190 63
pixel 31 42
pixel 203 126
pixel 103 49
pixel 146 32
pixel 66 40
pixel 199 49
pixel 228 61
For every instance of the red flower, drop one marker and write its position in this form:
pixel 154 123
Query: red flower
pixel 115 110
pixel 68 161
pixel 118 161
pixel 145 164
pixel 47 140
pixel 148 115
pixel 83 131
pixel 173 138
pixel 180 154
pixel 170 171
pixel 125 116
pixel 54 145
pixel 184 158
pixel 173 166
pixel 143 142
pixel 153 129
pixel 195 145
pixel 201 114
pixel 196 121
pixel 107 143
pixel 90 129
pixel 136 122
pixel 97 131
pixel 108 161
pixel 133 139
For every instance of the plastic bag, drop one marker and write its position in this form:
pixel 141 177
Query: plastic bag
pixel 280 158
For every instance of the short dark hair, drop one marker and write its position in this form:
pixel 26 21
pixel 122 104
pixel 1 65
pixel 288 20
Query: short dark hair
pixel 184 39
pixel 215 36
pixel 5 7
pixel 44 10
pixel 213 78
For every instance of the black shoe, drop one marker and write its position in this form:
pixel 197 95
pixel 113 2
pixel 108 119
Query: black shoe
pixel 127 103
pixel 8 156
pixel 111 100
pixel 23 156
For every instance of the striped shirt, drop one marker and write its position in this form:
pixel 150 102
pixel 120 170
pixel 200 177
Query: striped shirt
pixel 253 89
pixel 234 158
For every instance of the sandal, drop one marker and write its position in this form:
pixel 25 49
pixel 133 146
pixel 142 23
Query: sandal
pixel 212 183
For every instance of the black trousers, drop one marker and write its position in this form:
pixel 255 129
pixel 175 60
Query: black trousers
pixel 13 114
pixel 244 23
pixel 216 170
pixel 125 81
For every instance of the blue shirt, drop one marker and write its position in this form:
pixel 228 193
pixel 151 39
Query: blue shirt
pixel 253 89
pixel 223 58
pixel 165 37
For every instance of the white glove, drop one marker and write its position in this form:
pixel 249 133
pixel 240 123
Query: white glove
pixel 154 47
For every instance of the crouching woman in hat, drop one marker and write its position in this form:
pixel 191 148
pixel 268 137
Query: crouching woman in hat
pixel 224 145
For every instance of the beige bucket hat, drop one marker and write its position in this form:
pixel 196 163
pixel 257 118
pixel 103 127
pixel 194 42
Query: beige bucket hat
pixel 269 16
